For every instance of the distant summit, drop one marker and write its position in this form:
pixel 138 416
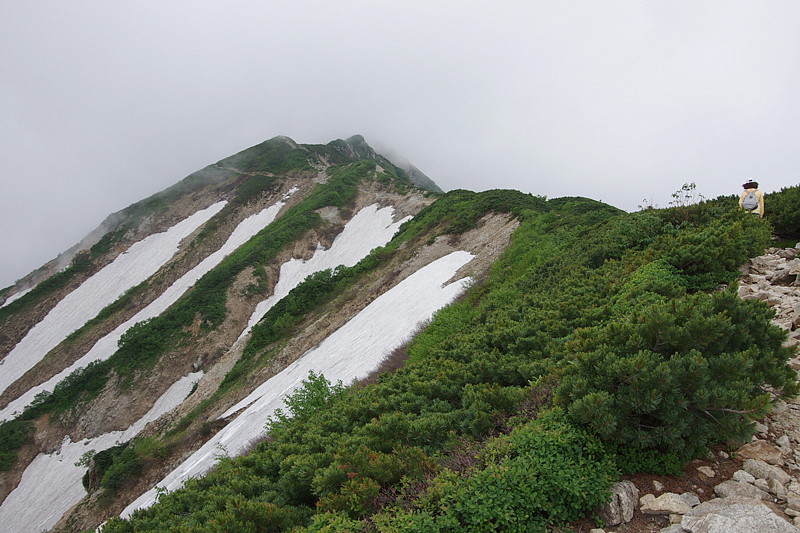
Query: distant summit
pixel 361 150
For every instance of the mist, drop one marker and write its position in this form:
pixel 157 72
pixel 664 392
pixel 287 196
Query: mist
pixel 104 104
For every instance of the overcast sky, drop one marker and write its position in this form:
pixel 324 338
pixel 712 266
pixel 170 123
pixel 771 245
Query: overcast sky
pixel 104 103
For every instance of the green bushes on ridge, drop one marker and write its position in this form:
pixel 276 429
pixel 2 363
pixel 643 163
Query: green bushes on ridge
pixel 675 376
pixel 643 361
pixel 543 473
pixel 13 435
pixel 783 213
pixel 606 308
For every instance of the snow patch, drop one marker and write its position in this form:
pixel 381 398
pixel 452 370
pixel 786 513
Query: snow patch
pixel 370 228
pixel 351 352
pixel 129 269
pixel 17 296
pixel 52 483
pixel 105 347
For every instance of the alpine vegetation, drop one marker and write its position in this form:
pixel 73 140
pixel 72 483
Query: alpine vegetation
pixel 332 347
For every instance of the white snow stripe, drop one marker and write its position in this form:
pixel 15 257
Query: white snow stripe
pixel 130 268
pixel 370 228
pixel 105 347
pixel 17 296
pixel 352 352
pixel 52 483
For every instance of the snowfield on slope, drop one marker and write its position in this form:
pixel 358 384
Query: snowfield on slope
pixel 351 352
pixel 370 228
pixel 52 483
pixel 105 347
pixel 130 268
pixel 17 296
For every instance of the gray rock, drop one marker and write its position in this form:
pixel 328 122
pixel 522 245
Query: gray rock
pixel 735 515
pixel 706 471
pixel 730 488
pixel 760 469
pixel 762 484
pixel 777 489
pixel 793 501
pixel 783 277
pixel 624 496
pixel 743 477
pixel 691 499
pixel 674 528
pixel 761 450
pixel 667 503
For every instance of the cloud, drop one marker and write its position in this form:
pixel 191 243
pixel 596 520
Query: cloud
pixel 106 103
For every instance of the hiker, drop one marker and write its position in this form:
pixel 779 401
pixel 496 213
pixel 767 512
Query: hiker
pixel 752 199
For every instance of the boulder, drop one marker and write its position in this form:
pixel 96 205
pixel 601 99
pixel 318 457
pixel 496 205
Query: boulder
pixel 735 515
pixel 743 477
pixel 762 484
pixel 691 499
pixel 777 489
pixel 619 510
pixel 667 503
pixel 760 469
pixel 761 450
pixel 730 488
pixel 783 277
pixel 706 471
pixel 793 501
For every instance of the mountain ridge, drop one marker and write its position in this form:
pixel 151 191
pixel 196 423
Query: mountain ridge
pixel 346 226
pixel 142 213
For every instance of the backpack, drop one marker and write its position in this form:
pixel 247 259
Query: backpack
pixel 750 201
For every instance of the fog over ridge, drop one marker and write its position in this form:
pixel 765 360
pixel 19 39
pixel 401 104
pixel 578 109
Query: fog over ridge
pixel 106 104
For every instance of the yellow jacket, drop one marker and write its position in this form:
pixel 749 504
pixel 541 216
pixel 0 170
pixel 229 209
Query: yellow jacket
pixel 759 195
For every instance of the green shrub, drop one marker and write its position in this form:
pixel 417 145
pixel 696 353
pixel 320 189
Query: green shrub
pixel 125 465
pixel 782 210
pixel 544 473
pixel 711 254
pixel 14 434
pixel 654 282
pixel 315 393
pixel 623 331
pixel 677 376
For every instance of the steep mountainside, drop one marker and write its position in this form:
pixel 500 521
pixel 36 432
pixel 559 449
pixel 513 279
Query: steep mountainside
pixel 503 358
pixel 165 297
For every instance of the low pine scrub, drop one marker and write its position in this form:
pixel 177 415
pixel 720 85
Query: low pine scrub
pixel 647 362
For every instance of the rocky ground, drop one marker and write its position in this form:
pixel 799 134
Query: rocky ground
pixel 754 489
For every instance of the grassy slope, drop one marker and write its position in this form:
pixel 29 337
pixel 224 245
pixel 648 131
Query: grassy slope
pixel 141 346
pixel 580 355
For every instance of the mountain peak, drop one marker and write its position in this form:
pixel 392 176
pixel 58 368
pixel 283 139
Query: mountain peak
pixel 357 147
